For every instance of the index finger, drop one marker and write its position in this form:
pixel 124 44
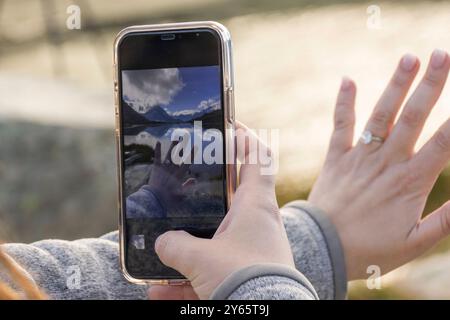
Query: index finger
pixel 249 149
pixel 432 158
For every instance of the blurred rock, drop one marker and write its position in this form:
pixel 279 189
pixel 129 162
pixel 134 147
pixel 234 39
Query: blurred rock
pixel 56 182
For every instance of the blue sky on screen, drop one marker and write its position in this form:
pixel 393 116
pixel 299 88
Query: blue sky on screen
pixel 177 90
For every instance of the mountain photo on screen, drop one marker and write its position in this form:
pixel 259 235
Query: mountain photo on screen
pixel 155 103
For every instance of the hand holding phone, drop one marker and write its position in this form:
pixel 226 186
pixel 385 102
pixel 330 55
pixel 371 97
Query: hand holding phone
pixel 252 233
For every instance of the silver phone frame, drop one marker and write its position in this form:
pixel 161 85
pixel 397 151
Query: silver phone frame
pixel 228 102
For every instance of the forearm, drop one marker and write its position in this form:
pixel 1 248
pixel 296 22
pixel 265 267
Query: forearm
pixel 144 203
pixel 316 248
pixel 53 264
pixel 81 269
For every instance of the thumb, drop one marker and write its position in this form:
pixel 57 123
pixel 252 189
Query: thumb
pixel 434 227
pixel 250 151
pixel 178 250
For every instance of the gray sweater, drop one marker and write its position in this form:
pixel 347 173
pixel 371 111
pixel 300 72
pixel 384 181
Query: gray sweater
pixel 89 268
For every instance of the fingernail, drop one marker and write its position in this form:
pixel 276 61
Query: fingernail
pixel 438 58
pixel 346 83
pixel 408 62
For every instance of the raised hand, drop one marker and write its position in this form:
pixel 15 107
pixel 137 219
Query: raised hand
pixel 375 191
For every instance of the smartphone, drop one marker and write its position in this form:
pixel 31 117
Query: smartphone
pixel 173 86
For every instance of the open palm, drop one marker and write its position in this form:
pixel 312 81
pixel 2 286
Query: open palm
pixel 375 191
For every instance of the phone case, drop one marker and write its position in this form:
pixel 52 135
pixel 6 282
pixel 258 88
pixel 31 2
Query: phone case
pixel 228 97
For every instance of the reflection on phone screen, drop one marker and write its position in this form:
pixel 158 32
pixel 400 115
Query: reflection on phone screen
pixel 160 193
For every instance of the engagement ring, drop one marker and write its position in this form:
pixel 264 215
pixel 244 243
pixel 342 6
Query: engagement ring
pixel 367 137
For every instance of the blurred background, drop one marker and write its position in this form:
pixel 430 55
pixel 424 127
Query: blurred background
pixel 57 158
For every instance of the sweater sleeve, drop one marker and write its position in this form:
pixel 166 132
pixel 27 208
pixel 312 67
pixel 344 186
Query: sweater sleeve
pixel 81 269
pixel 89 268
pixel 265 282
pixel 144 204
pixel 317 249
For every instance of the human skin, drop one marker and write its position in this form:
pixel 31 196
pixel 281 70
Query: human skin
pixel 375 193
pixel 251 233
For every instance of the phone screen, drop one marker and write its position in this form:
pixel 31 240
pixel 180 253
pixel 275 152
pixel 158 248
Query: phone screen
pixel 172 125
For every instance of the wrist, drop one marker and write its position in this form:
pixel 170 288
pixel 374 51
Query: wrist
pixel 315 241
pixel 234 282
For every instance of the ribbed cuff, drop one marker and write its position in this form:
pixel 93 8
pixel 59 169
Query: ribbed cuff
pixel 333 242
pixel 238 278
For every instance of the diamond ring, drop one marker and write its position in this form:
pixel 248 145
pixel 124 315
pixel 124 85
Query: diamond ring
pixel 367 137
